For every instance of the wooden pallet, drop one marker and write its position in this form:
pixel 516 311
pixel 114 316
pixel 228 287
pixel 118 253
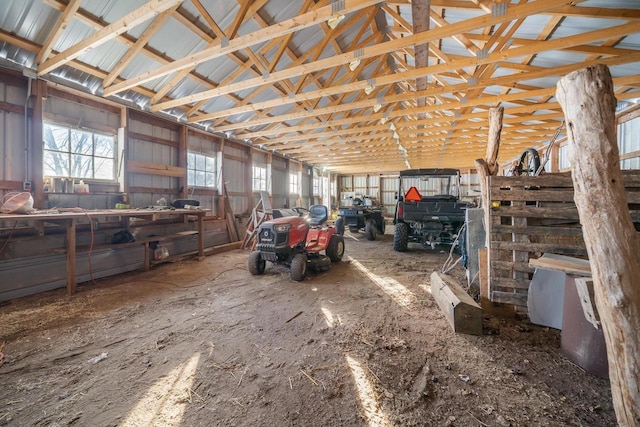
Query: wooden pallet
pixel 536 215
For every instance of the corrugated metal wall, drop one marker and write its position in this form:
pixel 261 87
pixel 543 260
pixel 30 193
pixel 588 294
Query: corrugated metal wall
pixel 12 133
pixel 305 186
pixel 78 115
pixel 279 182
pixel 151 188
pixel 234 171
pixel 385 187
pixel 388 190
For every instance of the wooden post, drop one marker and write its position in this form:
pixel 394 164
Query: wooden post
pixel 489 165
pixel 420 12
pixel 39 90
pixel 588 101
pixel 183 144
pixel 485 169
pixel 71 256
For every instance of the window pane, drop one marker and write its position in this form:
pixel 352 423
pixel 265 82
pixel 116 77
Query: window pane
pixel 55 164
pixel 210 164
pixel 200 162
pixel 200 179
pixel 191 160
pixel 81 166
pixel 105 145
pixel 210 179
pixel 81 142
pixel 56 138
pixel 74 153
pixel 191 177
pixel 103 168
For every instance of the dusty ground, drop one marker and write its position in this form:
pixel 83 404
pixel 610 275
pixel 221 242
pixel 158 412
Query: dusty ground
pixel 205 343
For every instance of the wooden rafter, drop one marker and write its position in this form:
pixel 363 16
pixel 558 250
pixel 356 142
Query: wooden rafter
pixel 309 103
pixel 371 51
pixel 57 31
pixel 139 45
pixel 283 28
pixel 140 15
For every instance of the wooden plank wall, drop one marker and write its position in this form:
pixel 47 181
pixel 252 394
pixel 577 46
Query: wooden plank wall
pixel 536 215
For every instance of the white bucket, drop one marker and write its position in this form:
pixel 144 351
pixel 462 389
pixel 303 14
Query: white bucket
pixel 17 202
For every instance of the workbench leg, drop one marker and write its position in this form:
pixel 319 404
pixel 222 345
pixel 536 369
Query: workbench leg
pixel 147 262
pixel 200 237
pixel 71 256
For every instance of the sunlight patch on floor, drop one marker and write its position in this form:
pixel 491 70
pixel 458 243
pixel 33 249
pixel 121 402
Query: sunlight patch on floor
pixel 426 288
pixel 351 236
pixel 329 317
pixel 165 402
pixel 373 413
pixel 396 290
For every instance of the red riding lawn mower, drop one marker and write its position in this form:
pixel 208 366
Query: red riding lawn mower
pixel 296 241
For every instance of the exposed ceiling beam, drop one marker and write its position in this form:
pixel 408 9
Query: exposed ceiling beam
pixel 289 26
pixel 138 45
pixel 515 12
pixel 58 30
pixel 498 81
pixel 111 31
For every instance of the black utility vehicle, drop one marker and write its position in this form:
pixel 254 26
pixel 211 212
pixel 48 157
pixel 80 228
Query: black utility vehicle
pixel 361 213
pixel 429 210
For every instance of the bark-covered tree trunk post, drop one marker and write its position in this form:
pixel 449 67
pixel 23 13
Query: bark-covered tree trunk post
pixel 486 167
pixel 588 101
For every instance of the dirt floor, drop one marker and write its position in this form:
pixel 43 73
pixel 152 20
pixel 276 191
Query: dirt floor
pixel 204 343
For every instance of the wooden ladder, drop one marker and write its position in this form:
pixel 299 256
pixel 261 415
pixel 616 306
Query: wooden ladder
pixel 261 212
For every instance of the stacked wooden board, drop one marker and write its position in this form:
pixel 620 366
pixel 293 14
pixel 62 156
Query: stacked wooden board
pixel 533 215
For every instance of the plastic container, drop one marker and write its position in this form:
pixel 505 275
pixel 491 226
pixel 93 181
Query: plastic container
pixel 161 252
pixel 17 203
pixel 81 187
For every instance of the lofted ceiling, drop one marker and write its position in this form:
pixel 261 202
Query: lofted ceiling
pixel 356 86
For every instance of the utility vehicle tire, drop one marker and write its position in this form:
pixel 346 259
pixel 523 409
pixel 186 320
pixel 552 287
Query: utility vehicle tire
pixel 256 263
pixel 335 250
pixel 339 225
pixel 381 225
pixel 370 229
pixel 401 237
pixel 298 267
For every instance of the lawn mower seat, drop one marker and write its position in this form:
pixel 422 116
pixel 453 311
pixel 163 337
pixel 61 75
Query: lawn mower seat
pixel 318 215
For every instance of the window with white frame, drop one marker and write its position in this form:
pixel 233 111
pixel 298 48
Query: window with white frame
pixel 259 178
pixel 628 134
pixel 76 153
pixel 201 170
pixel 563 157
pixel 294 188
pixel 316 186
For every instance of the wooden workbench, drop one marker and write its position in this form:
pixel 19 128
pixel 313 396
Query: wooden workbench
pixel 69 219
